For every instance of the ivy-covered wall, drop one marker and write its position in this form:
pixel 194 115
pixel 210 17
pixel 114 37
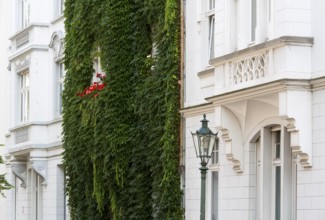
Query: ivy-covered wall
pixel 122 147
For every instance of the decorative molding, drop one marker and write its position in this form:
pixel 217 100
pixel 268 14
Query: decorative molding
pixel 22 63
pixel 229 152
pixel 40 167
pixel 247 69
pixel 260 90
pixel 278 42
pixel 28 28
pixel 207 71
pixel 57 45
pixel 318 83
pixel 22 40
pixel 27 50
pixel 22 134
pixel 302 157
pixel 197 110
pixel 19 169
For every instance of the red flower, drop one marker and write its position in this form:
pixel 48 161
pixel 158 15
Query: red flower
pixel 95 86
pixel 101 86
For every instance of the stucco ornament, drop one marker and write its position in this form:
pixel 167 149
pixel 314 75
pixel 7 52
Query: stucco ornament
pixel 40 167
pixel 22 62
pixel 57 45
pixel 19 169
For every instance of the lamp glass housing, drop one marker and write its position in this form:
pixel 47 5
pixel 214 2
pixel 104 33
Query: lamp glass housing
pixel 204 140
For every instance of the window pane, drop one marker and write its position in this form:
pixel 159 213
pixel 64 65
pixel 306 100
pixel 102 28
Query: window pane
pixel 25 13
pixel 214 196
pixel 211 37
pixel 26 77
pixel 211 4
pixel 215 153
pixel 24 96
pixel 278 144
pixel 277 193
pixel 253 20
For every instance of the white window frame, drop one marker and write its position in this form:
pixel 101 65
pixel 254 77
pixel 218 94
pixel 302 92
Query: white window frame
pixel 60 77
pixel 253 20
pixel 211 22
pixel 266 192
pixel 59 7
pixel 24 95
pixel 260 21
pixel 214 176
pixel 24 13
pixel 37 196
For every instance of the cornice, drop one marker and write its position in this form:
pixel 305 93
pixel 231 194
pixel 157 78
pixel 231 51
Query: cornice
pixel 260 90
pixel 28 28
pixel 27 50
pixel 36 123
pixel 27 148
pixel 209 70
pixel 278 42
pixel 197 110
pixel 317 84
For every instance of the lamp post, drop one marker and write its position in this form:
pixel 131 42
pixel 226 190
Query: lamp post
pixel 204 140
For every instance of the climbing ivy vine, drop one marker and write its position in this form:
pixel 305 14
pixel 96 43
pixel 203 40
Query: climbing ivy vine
pixel 122 144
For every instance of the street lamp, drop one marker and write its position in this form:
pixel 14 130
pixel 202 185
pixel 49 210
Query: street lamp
pixel 204 140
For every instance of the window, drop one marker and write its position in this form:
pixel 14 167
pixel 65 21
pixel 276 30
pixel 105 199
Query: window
pixel 275 175
pixel 37 196
pixel 60 86
pixel 260 15
pixel 215 153
pixel 24 96
pixel 24 14
pixel 253 20
pixel 61 195
pixel 214 181
pixel 59 7
pixel 211 18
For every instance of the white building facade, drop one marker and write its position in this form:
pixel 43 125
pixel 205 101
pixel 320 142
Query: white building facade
pixel 255 68
pixel 34 84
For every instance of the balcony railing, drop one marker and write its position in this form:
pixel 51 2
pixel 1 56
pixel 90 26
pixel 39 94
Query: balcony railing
pixel 286 57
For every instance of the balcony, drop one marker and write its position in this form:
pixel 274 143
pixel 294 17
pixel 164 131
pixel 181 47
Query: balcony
pixel 286 57
pixel 34 135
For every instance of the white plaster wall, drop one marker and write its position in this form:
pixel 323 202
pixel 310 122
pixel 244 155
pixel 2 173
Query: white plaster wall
pixel 311 182
pixel 292 17
pixel 196 55
pixel 318 33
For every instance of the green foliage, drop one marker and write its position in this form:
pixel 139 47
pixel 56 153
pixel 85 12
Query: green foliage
pixel 122 147
pixel 4 185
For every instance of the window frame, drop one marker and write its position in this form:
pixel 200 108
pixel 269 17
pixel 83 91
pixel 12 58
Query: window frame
pixel 24 13
pixel 214 188
pixel 211 26
pixel 60 73
pixel 267 175
pixel 24 96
